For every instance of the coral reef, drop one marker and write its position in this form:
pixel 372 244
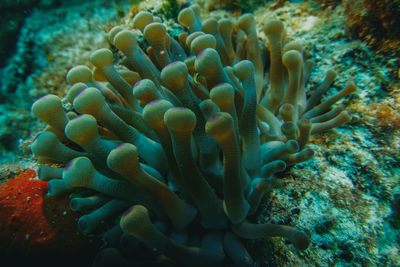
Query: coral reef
pixel 181 161
pixel 329 3
pixel 43 54
pixel 375 22
pixel 385 114
pixel 13 15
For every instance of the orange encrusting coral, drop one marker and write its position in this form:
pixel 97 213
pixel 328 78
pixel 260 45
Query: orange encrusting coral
pixel 30 223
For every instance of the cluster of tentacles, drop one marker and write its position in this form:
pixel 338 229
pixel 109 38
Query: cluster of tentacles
pixel 176 146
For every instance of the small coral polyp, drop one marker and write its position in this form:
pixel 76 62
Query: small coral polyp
pixel 178 145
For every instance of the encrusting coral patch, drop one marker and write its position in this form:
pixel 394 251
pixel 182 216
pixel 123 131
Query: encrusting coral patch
pixel 34 225
pixel 178 144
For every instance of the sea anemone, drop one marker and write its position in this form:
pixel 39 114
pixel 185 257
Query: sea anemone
pixel 180 160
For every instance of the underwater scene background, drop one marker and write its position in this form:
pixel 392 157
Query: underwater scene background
pixel 209 133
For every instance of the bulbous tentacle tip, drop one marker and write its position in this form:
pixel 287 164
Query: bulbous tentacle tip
pixel 273 26
pixel 102 58
pixel 142 19
pixel 79 73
